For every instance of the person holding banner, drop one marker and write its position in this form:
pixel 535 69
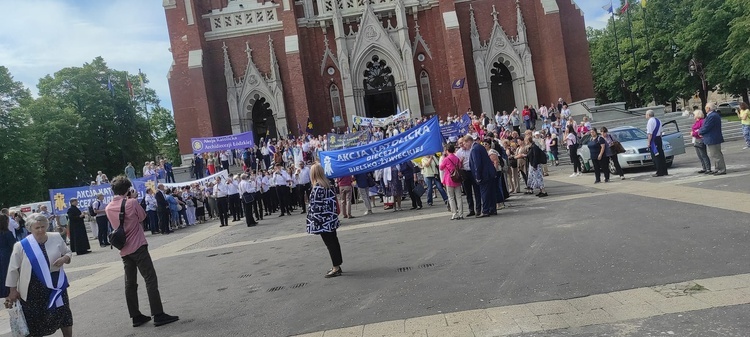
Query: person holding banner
pixel 36 277
pixel 222 204
pixel 282 180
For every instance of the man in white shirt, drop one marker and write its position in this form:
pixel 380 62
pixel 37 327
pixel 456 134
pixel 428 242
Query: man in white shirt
pixel 101 219
pixel 224 159
pixel 282 180
pixel 233 197
pixel 247 188
pixel 655 144
pixel 222 204
pixel 544 112
pixel 265 190
pixel 304 185
pixel 471 188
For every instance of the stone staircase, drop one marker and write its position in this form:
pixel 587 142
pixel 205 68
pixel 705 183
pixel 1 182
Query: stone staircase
pixel 731 130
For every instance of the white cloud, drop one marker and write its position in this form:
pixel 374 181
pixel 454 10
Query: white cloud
pixel 44 36
pixel 595 16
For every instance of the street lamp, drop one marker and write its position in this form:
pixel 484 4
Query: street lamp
pixel 695 67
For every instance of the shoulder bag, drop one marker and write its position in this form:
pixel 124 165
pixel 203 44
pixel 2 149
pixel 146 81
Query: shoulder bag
pixel 456 175
pixel 117 237
pixel 616 147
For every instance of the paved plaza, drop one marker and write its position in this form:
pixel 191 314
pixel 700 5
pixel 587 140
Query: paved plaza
pixel 641 257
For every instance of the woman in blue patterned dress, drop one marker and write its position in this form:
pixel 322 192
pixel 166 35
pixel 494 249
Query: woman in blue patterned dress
pixel 322 217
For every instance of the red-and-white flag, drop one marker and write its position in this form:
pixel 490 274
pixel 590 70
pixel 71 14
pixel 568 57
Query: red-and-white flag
pixel 625 8
pixel 130 86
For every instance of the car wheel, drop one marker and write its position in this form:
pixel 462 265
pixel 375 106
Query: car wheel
pixel 670 161
pixel 612 168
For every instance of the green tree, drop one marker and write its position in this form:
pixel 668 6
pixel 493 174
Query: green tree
pixel 736 57
pixel 165 132
pixel 18 161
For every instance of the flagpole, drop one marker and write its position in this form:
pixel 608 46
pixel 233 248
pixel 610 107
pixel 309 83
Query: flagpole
pixel 648 43
pixel 632 45
pixel 617 48
pixel 145 109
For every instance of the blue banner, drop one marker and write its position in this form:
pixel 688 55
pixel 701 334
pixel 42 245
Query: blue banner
pixel 423 139
pixel 223 143
pixel 457 128
pixel 86 195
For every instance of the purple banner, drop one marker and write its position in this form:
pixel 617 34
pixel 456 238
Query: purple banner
pixel 223 143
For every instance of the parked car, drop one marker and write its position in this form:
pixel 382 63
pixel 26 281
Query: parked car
pixel 729 108
pixel 635 142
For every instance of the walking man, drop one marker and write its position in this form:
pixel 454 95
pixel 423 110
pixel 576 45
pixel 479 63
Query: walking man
pixel 469 184
pixel 135 255
pixel 712 137
pixel 101 220
pixel 162 209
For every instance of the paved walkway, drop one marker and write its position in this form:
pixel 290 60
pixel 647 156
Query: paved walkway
pixel 560 314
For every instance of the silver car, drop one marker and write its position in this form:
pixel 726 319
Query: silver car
pixel 635 142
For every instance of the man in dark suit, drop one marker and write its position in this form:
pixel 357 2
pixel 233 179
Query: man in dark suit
pixel 162 210
pixel 484 173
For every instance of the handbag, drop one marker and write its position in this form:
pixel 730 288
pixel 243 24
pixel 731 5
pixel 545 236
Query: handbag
pixel 456 175
pixel 117 237
pixel 248 198
pixel 419 189
pixel 616 147
pixel 18 326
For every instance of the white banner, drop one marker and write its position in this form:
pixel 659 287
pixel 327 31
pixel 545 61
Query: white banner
pixel 381 122
pixel 223 174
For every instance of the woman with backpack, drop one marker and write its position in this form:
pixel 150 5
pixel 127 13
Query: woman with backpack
pixel 536 158
pixel 451 167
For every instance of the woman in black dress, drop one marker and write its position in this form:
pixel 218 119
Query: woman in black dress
pixel 79 240
pixel 7 240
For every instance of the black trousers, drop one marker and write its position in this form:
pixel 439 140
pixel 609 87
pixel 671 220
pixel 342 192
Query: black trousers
pixel 416 201
pixel 103 225
pixel 601 166
pixel 140 261
pixel 487 190
pixel 616 162
pixel 258 206
pixel 304 190
pixel 284 196
pixel 235 206
pixel 267 202
pixel 248 213
pixel 222 204
pixel 660 161
pixel 334 248
pixel 573 152
pixel 164 215
pixel 471 188
pixel 170 177
pixel 273 198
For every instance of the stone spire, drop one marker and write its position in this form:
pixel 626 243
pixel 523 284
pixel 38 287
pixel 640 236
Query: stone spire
pixel 494 13
pixel 228 73
pixel 474 31
pixel 249 52
pixel 521 26
pixel 274 69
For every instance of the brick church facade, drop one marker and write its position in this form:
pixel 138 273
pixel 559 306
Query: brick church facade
pixel 266 66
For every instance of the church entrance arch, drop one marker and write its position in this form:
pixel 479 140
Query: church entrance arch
pixel 263 123
pixel 501 87
pixel 380 89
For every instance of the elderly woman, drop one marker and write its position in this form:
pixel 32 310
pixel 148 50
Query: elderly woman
pixel 36 277
pixel 600 153
pixel 700 147
pixel 79 240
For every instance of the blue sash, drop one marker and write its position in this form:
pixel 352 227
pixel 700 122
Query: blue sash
pixel 655 134
pixel 41 270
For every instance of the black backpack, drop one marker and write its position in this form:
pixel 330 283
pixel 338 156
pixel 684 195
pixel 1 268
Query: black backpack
pixel 117 237
pixel 92 212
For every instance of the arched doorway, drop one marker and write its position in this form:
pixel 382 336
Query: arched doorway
pixel 501 86
pixel 263 122
pixel 380 89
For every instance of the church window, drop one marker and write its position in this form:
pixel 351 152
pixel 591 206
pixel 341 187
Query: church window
pixel 338 119
pixel 424 81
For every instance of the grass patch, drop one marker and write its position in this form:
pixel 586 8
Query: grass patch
pixel 732 118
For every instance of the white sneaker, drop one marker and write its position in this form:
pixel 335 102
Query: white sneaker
pixel 572 175
pixel 578 174
pixel 746 147
pixel 368 212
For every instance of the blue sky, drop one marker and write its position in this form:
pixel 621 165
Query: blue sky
pixel 43 36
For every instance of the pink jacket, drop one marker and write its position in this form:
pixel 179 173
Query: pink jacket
pixel 696 127
pixel 449 164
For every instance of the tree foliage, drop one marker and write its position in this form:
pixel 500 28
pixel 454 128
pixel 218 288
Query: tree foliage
pixel 77 126
pixel 666 35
